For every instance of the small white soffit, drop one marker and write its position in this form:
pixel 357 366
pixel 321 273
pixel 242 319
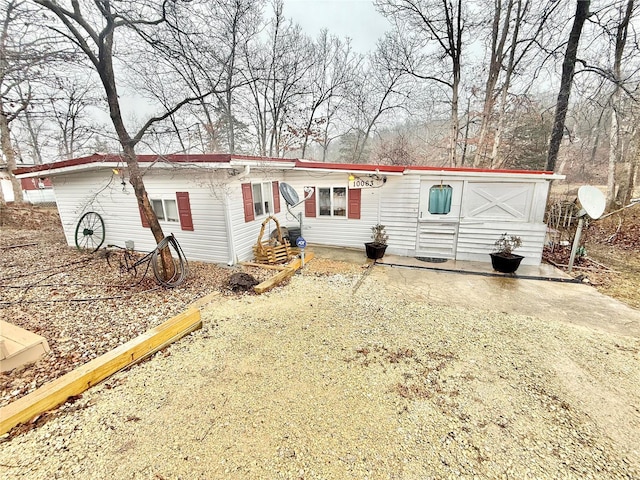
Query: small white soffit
pixel 285 164
pixel 54 171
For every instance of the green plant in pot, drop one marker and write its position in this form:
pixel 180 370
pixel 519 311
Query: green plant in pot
pixel 376 248
pixel 503 259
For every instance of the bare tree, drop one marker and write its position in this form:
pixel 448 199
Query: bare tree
pixel 332 70
pixel 500 27
pixel 240 23
pixel 69 106
pixel 275 72
pixel 379 89
pixel 92 28
pixel 622 31
pixel 435 29
pixel 568 68
pixel 21 53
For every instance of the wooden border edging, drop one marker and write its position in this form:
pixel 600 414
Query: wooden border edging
pixel 284 274
pixel 77 381
pixel 263 265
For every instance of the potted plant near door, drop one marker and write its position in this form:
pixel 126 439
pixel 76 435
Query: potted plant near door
pixel 503 259
pixel 376 248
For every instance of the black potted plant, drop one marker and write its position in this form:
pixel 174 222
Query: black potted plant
pixel 376 248
pixel 503 259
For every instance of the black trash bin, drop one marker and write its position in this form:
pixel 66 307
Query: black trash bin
pixel 294 233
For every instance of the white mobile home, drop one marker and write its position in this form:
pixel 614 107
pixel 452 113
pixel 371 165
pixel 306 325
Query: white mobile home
pixel 215 204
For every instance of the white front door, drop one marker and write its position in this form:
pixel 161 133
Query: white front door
pixel 438 218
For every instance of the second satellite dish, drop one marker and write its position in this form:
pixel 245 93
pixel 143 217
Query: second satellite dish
pixel 592 200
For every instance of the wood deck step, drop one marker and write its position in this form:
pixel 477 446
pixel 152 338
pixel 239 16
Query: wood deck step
pixel 19 347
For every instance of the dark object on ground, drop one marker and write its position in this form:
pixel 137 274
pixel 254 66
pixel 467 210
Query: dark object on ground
pixel 505 263
pixel 432 259
pixel 240 281
pixel 375 251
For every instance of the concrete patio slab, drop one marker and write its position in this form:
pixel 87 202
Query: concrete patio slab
pixel 543 292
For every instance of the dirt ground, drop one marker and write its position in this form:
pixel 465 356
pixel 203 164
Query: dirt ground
pixel 88 303
pixel 336 375
pixel 339 376
pixel 83 304
pixel 611 260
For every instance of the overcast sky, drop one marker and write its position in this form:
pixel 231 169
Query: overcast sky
pixel 357 19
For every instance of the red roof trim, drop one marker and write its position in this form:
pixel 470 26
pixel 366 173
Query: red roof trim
pixel 175 158
pixel 353 167
pixel 225 158
pixel 478 170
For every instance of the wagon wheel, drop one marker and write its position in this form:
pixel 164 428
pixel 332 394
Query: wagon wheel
pixel 90 232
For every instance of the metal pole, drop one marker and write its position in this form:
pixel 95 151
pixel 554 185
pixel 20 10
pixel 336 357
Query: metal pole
pixel 576 242
pixel 302 249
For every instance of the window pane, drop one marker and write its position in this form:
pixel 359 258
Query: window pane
pixel 171 210
pixel 440 199
pixel 157 207
pixel 266 195
pixel 340 201
pixel 324 201
pixel 257 199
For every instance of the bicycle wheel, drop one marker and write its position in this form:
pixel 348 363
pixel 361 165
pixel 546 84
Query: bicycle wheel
pixel 90 232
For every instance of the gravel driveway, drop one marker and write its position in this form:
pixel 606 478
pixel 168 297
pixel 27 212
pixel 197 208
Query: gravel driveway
pixel 320 379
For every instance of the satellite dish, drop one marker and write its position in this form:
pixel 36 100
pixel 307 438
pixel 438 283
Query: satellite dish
pixel 292 199
pixel 593 204
pixel 592 200
pixel 289 194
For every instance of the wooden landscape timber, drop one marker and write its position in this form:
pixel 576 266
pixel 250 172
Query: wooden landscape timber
pixel 284 274
pixel 84 377
pixel 263 265
pixel 77 381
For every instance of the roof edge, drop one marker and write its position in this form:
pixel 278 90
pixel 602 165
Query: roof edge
pixel 97 158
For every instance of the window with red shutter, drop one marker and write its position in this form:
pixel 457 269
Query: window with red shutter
pixel 310 205
pixel 184 210
pixel 247 201
pixel 276 197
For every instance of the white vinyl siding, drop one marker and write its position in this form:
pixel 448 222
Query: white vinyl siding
pixel 483 207
pixel 245 234
pixel 76 194
pixel 476 240
pixel 329 230
pixel 399 212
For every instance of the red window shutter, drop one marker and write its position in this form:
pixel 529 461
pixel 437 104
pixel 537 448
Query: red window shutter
pixel 247 200
pixel 310 205
pixel 355 200
pixel 143 217
pixel 276 197
pixel 184 210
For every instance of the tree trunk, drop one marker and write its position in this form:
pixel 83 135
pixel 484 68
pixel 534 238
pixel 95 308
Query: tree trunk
pixel 614 143
pixel 466 133
pixel 626 177
pixel 107 75
pixel 568 67
pixel 10 156
pixel 495 66
pixel 614 134
pixel 455 126
pixel 33 135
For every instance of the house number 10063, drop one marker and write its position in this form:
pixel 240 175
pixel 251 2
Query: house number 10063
pixel 359 182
